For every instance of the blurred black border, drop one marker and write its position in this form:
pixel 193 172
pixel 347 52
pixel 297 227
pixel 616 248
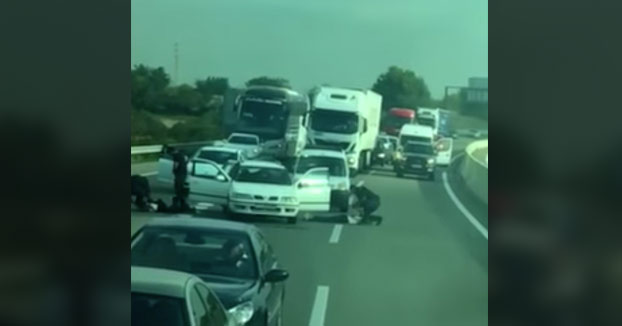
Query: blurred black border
pixel 64 135
pixel 555 247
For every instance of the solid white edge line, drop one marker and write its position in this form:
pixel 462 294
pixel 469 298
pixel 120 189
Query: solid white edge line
pixel 318 313
pixel 463 209
pixel 334 236
pixel 148 174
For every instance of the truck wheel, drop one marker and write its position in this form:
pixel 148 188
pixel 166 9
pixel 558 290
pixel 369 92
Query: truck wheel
pixel 431 176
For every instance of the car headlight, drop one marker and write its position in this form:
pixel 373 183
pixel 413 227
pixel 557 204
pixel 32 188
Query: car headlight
pixel 289 199
pixel 242 313
pixel 430 161
pixel 351 160
pixel 381 155
pixel 237 195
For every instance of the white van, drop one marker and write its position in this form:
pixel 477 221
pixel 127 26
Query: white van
pixel 416 133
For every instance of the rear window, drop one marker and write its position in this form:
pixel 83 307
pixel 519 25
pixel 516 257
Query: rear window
pixel 150 309
pixel 219 157
pixel 244 140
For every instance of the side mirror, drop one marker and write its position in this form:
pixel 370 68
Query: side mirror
pixel 221 178
pixel 275 276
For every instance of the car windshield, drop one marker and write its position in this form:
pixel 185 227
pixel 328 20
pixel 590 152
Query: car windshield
pixel 203 252
pixel 149 309
pixel 220 157
pixel 252 174
pixel 419 148
pixel 406 138
pixel 336 166
pixel 334 121
pixel 244 140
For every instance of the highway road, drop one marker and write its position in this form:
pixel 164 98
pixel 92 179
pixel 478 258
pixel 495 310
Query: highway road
pixel 426 264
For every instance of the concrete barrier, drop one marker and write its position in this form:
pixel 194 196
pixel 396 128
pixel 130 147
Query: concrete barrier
pixel 474 172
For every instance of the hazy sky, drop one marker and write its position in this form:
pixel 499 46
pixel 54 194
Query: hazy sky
pixel 341 42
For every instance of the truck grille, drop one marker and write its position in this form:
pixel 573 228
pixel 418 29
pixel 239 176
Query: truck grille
pixel 338 145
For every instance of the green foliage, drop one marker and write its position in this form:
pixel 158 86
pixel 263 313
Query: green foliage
pixel 145 129
pixel 211 86
pixel 269 81
pixel 147 87
pixel 207 127
pixel 402 88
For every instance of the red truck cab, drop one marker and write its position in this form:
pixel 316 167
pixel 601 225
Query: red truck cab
pixel 396 118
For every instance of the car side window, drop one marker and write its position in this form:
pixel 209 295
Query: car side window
pixel 199 310
pixel 216 316
pixel 204 170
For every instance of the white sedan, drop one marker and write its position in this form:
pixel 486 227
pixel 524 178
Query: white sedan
pixel 249 144
pixel 260 188
pixel 444 148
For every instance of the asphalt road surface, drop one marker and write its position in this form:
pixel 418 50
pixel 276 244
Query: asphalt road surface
pixel 426 264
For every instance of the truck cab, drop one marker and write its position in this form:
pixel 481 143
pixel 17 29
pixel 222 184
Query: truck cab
pixel 396 118
pixel 429 117
pixel 347 119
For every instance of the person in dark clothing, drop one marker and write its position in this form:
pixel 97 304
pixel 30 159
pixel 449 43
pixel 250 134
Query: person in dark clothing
pixel 366 202
pixel 141 190
pixel 180 172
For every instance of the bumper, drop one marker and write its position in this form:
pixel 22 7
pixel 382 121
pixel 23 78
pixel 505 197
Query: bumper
pixel 408 168
pixel 256 208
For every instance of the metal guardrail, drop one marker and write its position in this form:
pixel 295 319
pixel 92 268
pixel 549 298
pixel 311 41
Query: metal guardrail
pixel 152 149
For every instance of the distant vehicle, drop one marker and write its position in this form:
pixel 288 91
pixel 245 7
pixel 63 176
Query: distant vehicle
pixel 260 188
pixel 418 133
pixel 444 148
pixel 278 116
pixel 166 297
pixel 429 117
pixel 234 259
pixel 384 150
pixel 348 119
pixel 396 118
pixel 225 157
pixel 416 158
pixel 249 144
pixel 444 128
pixel 338 172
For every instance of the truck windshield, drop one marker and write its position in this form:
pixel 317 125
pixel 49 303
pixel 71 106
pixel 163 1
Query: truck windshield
pixel 336 167
pixel 406 138
pixel 419 149
pixel 334 121
pixel 393 121
pixel 427 121
pixel 260 114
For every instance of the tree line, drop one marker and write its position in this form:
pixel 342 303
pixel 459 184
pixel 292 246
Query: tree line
pixel 152 94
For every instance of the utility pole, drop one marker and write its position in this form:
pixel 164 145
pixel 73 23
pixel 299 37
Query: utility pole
pixel 176 69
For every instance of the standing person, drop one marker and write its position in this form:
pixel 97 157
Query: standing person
pixel 180 171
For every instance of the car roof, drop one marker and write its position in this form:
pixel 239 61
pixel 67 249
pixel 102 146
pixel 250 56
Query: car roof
pixel 220 148
pixel 201 223
pixel 239 134
pixel 322 152
pixel 159 281
pixel 263 164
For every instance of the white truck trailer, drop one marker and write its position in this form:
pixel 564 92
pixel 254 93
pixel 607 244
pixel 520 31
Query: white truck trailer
pixel 348 119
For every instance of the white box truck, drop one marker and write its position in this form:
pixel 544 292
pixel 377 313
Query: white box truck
pixel 348 119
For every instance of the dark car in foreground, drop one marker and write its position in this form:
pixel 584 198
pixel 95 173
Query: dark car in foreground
pixel 416 158
pixel 233 258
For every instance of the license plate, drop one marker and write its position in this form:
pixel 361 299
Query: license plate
pixel 416 166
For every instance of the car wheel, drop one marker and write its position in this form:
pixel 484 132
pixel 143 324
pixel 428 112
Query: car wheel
pixel 431 176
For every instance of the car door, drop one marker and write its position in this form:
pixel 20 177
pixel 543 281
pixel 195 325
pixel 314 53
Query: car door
pixel 444 150
pixel 313 191
pixel 208 182
pixel 216 314
pixel 272 292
